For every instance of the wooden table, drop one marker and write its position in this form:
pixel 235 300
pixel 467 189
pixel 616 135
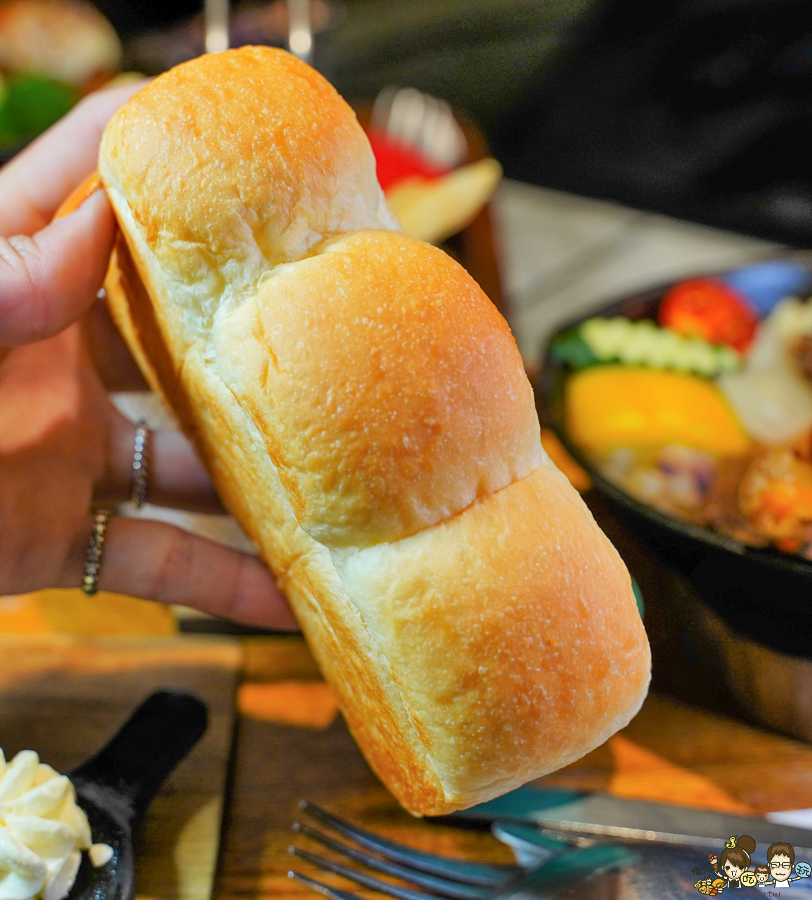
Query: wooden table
pixel 290 743
pixel 671 752
pixel 65 695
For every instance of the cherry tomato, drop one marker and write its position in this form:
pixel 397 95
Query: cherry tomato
pixel 709 309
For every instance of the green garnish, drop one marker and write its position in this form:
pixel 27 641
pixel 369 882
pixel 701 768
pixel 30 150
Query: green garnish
pixel 571 349
pixel 641 343
pixel 31 103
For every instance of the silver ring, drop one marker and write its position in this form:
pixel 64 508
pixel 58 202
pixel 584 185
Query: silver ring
pixel 95 548
pixel 140 465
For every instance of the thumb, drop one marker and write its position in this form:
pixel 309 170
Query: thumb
pixel 49 280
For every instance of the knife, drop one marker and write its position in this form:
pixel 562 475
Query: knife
pixel 604 816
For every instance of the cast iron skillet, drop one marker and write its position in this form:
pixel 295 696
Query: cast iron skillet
pixel 761 593
pixel 115 786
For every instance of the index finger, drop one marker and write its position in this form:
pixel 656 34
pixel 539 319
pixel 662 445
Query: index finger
pixel 37 180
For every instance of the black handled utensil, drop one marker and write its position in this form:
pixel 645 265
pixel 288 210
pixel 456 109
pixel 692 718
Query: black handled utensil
pixel 115 786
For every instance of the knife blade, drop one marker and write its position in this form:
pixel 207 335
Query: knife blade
pixel 604 816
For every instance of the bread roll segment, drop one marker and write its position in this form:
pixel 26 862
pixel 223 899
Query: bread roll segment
pixel 511 663
pixel 364 414
pixel 386 385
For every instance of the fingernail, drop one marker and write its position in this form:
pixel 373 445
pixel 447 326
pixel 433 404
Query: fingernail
pixel 85 190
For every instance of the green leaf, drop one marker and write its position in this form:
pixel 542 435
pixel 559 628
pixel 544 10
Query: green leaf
pixel 30 104
pixel 571 349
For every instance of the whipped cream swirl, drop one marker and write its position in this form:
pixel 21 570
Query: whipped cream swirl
pixel 42 830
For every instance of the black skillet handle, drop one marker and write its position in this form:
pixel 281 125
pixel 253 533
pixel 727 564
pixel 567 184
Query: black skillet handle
pixel 133 765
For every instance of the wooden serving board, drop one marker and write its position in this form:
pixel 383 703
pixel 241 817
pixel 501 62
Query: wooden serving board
pixel 64 697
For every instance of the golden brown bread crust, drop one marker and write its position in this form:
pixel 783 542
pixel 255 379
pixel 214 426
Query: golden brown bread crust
pixel 364 414
pixel 407 361
pixel 220 206
pixel 510 632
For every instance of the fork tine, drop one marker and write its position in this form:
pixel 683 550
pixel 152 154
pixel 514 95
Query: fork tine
pixel 562 870
pixel 453 890
pixel 321 888
pixel 359 877
pixel 462 870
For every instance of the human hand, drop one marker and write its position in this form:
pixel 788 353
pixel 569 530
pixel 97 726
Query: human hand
pixel 63 446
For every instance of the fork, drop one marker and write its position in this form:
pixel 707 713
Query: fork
pixel 454 879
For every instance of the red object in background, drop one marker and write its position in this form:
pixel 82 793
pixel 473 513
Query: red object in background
pixel 397 162
pixel 709 309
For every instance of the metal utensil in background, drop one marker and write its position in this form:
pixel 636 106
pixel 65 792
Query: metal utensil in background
pixel 300 29
pixel 597 815
pixel 216 25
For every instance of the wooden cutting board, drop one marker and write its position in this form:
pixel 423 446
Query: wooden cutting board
pixel 64 697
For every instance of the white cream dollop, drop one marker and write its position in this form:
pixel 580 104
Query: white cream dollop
pixel 42 830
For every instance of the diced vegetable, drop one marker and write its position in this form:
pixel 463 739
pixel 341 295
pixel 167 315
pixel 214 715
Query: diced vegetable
pixel 718 434
pixel 710 309
pixel 776 494
pixel 620 406
pixel 677 479
pixel 640 343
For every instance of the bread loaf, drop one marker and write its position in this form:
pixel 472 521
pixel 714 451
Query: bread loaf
pixel 364 413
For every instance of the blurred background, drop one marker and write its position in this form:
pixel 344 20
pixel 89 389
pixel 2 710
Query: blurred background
pixel 696 108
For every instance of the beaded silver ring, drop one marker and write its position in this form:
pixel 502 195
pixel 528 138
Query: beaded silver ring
pixel 95 548
pixel 140 465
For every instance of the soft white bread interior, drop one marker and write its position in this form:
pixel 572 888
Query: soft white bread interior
pixel 365 415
